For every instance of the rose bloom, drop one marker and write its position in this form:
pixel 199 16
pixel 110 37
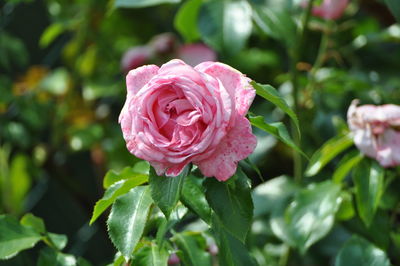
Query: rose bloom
pixel 376 131
pixel 177 114
pixel 329 9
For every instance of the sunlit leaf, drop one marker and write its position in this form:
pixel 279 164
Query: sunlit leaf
pixel 186 20
pixel 114 191
pixel 278 24
pixel 112 176
pixel 193 247
pixel 225 25
pixel 50 256
pixel 194 198
pixel 232 203
pixel 345 165
pixel 20 181
pixel 231 251
pixel 166 191
pixel 15 237
pixel 277 129
pixel 270 94
pixel 309 217
pixel 151 255
pixel 50 34
pixel 128 218
pixel 36 223
pixel 368 180
pixel 272 195
pixel 327 152
pixel 358 251
pixel 58 240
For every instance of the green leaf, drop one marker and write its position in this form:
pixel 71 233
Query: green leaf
pixel 232 203
pixel 151 255
pixel 194 198
pixel 113 192
pixel 358 251
pixel 193 247
pixel 58 240
pixel 309 217
pixel 142 3
pixel 272 196
pixel 127 219
pixel 270 94
pixel 166 191
pixel 327 152
pixel 378 232
pixel 186 20
pixel 165 225
pixel 15 237
pixel 394 6
pixel 225 25
pixel 20 181
pixel 136 172
pixel 278 130
pixel 36 223
pixel 368 180
pixel 50 34
pixel 278 24
pixel 49 256
pixel 231 251
pixel 346 165
pixel 346 210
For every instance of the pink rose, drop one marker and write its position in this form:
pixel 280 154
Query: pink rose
pixel 176 114
pixel 196 53
pixel 329 9
pixel 376 131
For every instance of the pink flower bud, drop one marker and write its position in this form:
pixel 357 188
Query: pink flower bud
pixel 194 54
pixel 329 9
pixel 376 131
pixel 173 259
pixel 135 57
pixel 164 43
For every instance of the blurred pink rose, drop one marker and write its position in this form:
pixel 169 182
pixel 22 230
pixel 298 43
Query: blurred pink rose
pixel 135 57
pixel 376 131
pixel 177 114
pixel 163 43
pixel 194 54
pixel 329 9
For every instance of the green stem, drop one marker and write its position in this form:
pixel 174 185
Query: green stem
pixel 296 57
pixel 284 259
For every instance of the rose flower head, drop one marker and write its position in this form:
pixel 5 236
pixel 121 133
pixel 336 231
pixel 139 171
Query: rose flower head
pixel 177 114
pixel 329 9
pixel 376 131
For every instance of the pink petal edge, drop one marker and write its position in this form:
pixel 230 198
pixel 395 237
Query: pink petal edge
pixel 138 77
pixel 237 145
pixel 237 84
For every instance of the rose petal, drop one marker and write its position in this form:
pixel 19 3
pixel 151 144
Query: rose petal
pixel 388 150
pixel 177 67
pixel 138 77
pixel 236 84
pixel 237 145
